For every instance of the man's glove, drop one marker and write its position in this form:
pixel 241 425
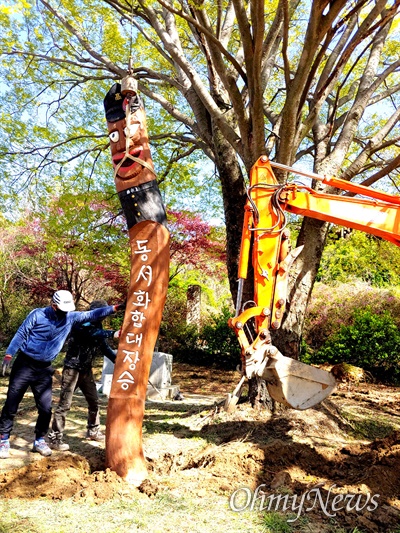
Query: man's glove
pixel 120 307
pixel 6 364
pixel 117 334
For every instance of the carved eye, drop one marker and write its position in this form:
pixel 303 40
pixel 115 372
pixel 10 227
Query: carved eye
pixel 131 130
pixel 114 136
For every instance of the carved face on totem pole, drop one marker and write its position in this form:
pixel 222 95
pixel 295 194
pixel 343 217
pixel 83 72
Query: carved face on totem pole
pixel 128 141
pixel 134 174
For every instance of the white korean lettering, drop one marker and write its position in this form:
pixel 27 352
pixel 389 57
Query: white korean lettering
pixel 137 318
pixel 134 338
pixel 131 357
pixel 142 249
pixel 146 273
pixel 142 299
pixel 126 379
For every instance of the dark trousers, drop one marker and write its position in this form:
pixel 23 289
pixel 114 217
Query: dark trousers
pixel 26 372
pixel 71 380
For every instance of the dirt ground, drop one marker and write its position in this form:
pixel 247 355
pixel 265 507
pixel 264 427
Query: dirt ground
pixel 347 446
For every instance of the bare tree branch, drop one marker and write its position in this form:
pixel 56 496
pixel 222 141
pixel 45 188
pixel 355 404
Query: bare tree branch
pixel 372 146
pixel 208 34
pixel 385 171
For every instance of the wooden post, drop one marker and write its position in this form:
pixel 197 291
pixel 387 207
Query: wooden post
pixel 193 309
pixel 146 297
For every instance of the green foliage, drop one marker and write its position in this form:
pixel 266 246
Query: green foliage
pixel 53 124
pixel 219 341
pixel 371 341
pixel 360 256
pixel 16 306
pixel 333 306
pixel 71 244
pixel 57 63
pixel 306 354
pixel 368 427
pixel 15 298
pixel 176 336
pixel 76 243
pixel 275 522
pixel 211 343
pixel 356 324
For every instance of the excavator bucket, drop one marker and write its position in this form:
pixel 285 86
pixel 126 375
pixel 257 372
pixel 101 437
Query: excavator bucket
pixel 296 384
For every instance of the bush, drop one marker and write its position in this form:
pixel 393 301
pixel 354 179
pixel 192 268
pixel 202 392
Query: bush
pixel 212 343
pixel 176 336
pixel 371 341
pixel 184 346
pixel 208 343
pixel 360 256
pixel 16 306
pixel 332 307
pixel 219 341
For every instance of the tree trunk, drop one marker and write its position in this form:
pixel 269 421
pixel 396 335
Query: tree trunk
pixel 313 235
pixel 234 198
pixel 259 397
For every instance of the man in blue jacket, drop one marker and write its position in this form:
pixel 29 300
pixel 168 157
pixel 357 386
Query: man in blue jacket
pixel 85 342
pixel 37 342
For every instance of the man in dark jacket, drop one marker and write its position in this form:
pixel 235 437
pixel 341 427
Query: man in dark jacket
pixel 85 342
pixel 37 342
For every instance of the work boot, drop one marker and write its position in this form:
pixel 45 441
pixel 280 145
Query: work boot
pixel 40 446
pixel 56 442
pixel 4 448
pixel 95 434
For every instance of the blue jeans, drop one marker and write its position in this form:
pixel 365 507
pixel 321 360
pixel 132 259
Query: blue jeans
pixel 38 375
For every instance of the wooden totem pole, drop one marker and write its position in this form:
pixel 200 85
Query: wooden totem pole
pixel 149 244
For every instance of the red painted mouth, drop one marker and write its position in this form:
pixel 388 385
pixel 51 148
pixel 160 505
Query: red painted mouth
pixel 128 163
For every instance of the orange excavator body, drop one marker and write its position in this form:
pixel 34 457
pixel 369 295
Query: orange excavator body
pixel 265 236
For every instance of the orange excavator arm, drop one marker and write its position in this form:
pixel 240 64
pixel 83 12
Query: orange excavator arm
pixel 266 236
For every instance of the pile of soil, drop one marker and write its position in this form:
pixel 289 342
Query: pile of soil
pixel 58 478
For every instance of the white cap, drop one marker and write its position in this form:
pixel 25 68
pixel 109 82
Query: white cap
pixel 64 301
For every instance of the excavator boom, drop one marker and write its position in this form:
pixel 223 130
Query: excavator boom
pixel 373 216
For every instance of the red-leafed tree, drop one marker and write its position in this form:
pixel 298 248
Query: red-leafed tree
pixel 81 246
pixel 72 244
pixel 195 244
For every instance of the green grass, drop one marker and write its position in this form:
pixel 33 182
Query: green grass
pixel 369 425
pixel 277 523
pixel 165 513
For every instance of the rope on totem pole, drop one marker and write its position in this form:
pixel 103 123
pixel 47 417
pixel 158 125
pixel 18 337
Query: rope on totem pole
pixel 130 95
pixel 127 155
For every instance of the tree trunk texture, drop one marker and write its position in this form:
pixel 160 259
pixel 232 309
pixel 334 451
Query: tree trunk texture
pixel 259 397
pixel 313 235
pixel 234 198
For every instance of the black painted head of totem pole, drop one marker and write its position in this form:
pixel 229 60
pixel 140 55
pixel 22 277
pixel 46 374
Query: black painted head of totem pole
pixel 126 138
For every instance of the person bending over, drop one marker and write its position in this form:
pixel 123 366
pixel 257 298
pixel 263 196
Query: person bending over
pixel 36 344
pixel 86 341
